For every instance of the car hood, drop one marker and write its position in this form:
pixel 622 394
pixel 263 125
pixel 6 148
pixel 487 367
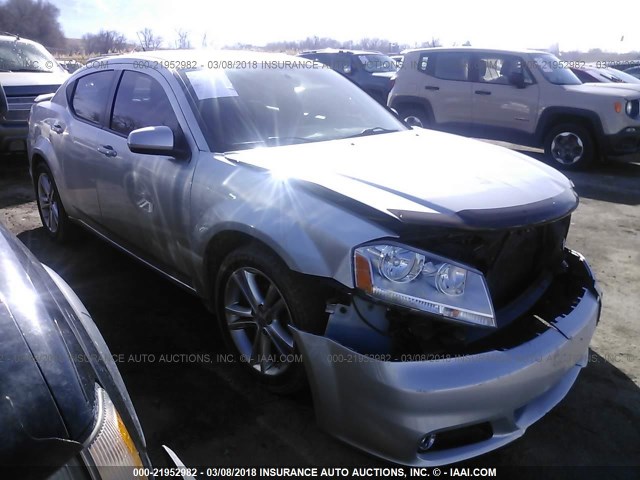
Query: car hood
pixel 617 85
pixel 626 90
pixel 20 79
pixel 423 176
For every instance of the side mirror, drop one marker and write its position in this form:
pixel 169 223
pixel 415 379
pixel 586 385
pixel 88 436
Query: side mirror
pixel 412 121
pixel 152 141
pixel 517 79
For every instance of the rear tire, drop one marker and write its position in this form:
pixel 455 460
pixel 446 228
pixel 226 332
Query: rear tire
pixel 52 213
pixel 570 147
pixel 257 298
pixel 416 111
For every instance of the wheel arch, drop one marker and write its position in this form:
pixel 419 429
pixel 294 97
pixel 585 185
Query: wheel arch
pixel 554 116
pixel 405 101
pixel 228 239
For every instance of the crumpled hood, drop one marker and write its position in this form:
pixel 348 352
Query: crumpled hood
pixel 422 175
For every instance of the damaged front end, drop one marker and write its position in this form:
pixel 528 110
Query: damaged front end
pixel 417 387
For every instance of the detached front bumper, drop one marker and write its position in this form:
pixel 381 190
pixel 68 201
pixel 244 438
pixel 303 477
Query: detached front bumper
pixel 386 408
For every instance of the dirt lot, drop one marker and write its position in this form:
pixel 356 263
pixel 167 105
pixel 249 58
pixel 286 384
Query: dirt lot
pixel 211 413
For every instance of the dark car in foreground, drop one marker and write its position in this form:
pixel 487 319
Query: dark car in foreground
pixel 64 409
pixel 374 72
pixel 27 70
pixel 424 277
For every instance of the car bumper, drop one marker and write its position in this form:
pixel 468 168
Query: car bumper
pixel 13 136
pixel 386 408
pixel 625 142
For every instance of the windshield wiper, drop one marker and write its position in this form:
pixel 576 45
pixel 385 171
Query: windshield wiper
pixel 30 70
pixel 372 131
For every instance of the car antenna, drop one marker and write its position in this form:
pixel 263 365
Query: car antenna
pixel 141 44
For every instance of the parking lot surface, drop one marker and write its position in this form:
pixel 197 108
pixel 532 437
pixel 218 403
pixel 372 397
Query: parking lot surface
pixel 210 412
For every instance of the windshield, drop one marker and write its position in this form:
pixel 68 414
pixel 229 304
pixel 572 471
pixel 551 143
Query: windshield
pixel 617 76
pixel 555 71
pixel 265 106
pixel 20 56
pixel 377 63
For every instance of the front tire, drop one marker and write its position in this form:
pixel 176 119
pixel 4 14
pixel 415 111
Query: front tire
pixel 52 213
pixel 258 298
pixel 570 147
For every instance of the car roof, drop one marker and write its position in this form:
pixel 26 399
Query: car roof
pixel 10 37
pixel 342 50
pixel 520 51
pixel 198 56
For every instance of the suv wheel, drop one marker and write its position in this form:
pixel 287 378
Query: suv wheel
pixel 258 298
pixel 570 147
pixel 414 111
pixel 52 213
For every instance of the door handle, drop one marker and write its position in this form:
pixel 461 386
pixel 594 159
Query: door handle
pixel 483 92
pixel 57 128
pixel 107 150
pixel 430 87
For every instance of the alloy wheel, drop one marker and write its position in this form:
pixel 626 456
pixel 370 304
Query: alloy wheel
pixel 48 203
pixel 257 318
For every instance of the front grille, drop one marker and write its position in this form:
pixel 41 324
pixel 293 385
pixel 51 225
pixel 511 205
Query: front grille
pixel 18 108
pixel 511 260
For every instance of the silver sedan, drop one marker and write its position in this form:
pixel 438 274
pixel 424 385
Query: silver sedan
pixel 418 281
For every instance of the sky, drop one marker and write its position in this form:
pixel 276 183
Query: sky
pixel 572 24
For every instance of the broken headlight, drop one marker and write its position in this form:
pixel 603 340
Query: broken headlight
pixel 422 281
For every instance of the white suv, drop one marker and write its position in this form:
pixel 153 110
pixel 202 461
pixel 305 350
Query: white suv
pixel 526 97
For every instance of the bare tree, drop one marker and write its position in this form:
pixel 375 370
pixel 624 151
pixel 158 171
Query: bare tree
pixel 33 19
pixel 183 39
pixel 434 42
pixel 148 40
pixel 105 41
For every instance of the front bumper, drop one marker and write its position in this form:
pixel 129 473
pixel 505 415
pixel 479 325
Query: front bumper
pixel 625 142
pixel 386 408
pixel 13 136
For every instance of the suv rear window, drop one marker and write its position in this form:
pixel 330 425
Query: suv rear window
pixel 452 66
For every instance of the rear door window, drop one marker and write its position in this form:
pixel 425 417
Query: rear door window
pixel 91 94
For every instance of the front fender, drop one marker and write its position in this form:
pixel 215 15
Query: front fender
pixel 312 236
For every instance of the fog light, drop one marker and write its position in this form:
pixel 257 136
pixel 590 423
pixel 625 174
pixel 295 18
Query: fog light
pixel 426 442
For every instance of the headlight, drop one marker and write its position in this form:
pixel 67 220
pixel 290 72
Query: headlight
pixel 110 444
pixel 423 281
pixel 633 108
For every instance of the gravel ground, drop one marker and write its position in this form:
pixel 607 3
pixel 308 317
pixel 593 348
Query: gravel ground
pixel 211 413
